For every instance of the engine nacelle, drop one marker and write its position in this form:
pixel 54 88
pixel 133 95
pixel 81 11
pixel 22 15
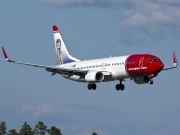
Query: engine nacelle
pixel 94 76
pixel 141 80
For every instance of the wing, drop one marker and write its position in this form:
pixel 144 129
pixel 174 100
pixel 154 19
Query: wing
pixel 52 69
pixel 67 71
pixel 175 63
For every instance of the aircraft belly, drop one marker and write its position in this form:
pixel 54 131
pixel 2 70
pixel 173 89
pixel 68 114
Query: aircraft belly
pixel 108 78
pixel 74 78
pixel 77 78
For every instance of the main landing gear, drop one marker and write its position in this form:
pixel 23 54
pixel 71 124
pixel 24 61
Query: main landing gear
pixel 120 86
pixel 91 86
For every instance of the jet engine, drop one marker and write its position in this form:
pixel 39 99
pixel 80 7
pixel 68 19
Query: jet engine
pixel 93 76
pixel 141 80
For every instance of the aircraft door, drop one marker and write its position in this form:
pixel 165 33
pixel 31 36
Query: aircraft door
pixel 104 66
pixel 141 64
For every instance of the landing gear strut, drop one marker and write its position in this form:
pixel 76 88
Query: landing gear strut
pixel 120 86
pixel 91 86
pixel 151 81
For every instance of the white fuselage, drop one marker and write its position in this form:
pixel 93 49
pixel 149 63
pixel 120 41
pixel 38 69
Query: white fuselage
pixel 113 66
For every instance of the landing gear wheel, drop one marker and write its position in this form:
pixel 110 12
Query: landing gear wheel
pixel 151 82
pixel 117 87
pixel 122 87
pixel 94 86
pixel 89 86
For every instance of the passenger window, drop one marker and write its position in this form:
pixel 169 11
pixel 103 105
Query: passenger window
pixel 117 63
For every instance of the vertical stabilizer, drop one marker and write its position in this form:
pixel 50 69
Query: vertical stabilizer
pixel 62 53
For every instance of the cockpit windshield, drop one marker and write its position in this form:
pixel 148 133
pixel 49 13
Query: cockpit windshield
pixel 153 59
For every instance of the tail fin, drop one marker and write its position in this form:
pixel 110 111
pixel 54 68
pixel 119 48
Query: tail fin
pixel 62 53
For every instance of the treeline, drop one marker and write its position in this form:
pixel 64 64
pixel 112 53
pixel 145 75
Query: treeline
pixel 39 129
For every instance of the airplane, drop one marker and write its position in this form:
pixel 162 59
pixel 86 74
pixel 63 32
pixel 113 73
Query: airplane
pixel 141 68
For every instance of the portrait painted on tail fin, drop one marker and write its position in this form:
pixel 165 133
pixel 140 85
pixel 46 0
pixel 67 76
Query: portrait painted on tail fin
pixel 60 56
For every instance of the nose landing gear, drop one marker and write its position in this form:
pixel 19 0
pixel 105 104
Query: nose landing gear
pixel 151 81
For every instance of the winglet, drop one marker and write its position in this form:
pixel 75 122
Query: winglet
pixel 5 55
pixel 174 60
pixel 55 28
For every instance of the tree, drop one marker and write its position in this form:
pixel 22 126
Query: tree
pixel 40 128
pixel 2 128
pixel 26 129
pixel 54 131
pixel 12 132
pixel 94 133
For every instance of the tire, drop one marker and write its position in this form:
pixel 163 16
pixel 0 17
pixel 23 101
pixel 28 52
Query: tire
pixel 89 86
pixel 151 82
pixel 117 87
pixel 122 87
pixel 94 86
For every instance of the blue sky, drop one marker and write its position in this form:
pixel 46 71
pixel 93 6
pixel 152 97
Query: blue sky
pixel 91 29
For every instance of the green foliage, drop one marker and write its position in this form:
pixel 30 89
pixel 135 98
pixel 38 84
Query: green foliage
pixel 40 128
pixel 2 128
pixel 26 129
pixel 12 132
pixel 54 131
pixel 94 133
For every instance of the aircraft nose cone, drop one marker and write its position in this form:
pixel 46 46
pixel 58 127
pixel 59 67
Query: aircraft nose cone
pixel 160 66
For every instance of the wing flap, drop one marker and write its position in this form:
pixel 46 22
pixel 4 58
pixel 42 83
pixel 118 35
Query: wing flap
pixel 67 71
